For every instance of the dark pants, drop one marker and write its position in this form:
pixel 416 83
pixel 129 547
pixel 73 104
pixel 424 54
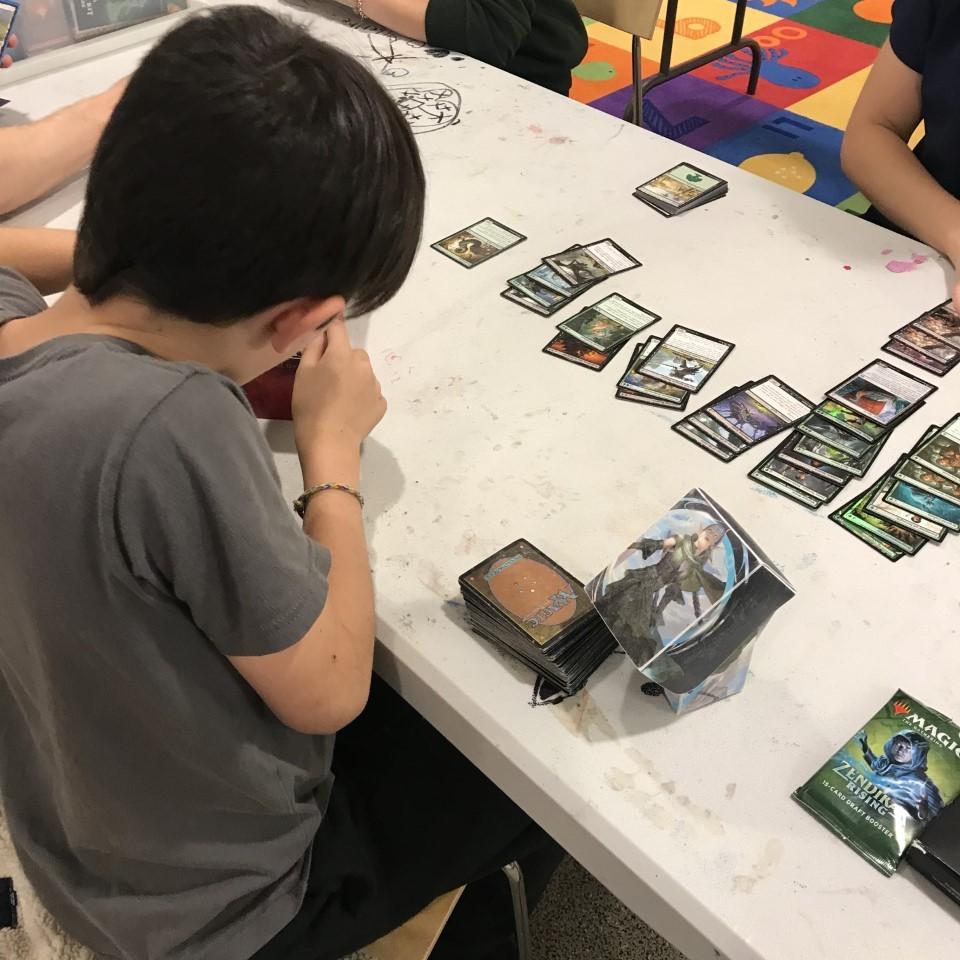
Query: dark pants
pixel 410 819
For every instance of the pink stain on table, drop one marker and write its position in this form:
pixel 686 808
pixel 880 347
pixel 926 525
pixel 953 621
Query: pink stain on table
pixel 535 128
pixel 556 141
pixel 886 253
pixel 906 266
pixel 847 266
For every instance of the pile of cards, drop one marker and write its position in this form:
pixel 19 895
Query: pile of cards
pixel 932 341
pixel 560 278
pixel 595 335
pixel 916 502
pixel 842 437
pixel 664 372
pixel 681 188
pixel 523 602
pixel 739 419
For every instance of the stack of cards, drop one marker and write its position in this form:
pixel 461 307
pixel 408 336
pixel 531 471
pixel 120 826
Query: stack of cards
pixel 742 417
pixel 842 437
pixel 522 601
pixel 681 188
pixel 595 335
pixel 664 372
pixel 932 341
pixel 915 502
pixel 559 279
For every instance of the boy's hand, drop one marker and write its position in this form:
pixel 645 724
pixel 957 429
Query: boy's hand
pixel 336 401
pixel 6 60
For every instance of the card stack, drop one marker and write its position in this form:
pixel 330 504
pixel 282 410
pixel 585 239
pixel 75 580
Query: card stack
pixel 562 277
pixel 739 419
pixel 663 372
pixel 932 341
pixel 522 601
pixel 842 437
pixel 914 503
pixel 595 335
pixel 681 188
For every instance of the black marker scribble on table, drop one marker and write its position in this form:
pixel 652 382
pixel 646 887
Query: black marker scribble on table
pixel 387 48
pixel 427 106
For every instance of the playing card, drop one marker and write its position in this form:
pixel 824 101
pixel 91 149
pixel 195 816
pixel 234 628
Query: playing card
pixel 592 262
pixel 810 483
pixel 942 322
pixel 638 387
pixel 820 428
pixel 927 344
pixel 685 358
pixel 478 243
pixel 851 421
pixel 878 506
pixel 786 489
pixel 825 453
pixel 608 322
pixel 941 454
pixel 549 277
pixel 702 421
pixel 760 410
pixel 680 188
pixel 887 530
pixel 704 440
pixel 882 393
pixel 567 347
pixel 918 501
pixel 905 352
pixel 928 481
pixel 861 533
pixel 787 451
pixel 546 296
pixel 516 296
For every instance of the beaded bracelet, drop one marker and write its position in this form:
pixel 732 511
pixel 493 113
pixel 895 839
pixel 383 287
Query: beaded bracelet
pixel 300 504
pixel 359 5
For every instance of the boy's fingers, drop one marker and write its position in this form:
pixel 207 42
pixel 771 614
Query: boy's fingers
pixel 338 342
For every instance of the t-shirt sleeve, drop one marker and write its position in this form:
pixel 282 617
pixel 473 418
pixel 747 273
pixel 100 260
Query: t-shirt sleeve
pixel 18 296
pixel 911 30
pixel 202 523
pixel 490 30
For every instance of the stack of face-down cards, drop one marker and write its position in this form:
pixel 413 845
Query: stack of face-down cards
pixel 562 277
pixel 915 502
pixel 681 188
pixel 842 437
pixel 739 419
pixel 522 601
pixel 663 372
pixel 931 342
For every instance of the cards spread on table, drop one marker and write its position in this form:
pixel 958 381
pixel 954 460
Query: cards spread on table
pixel 679 189
pixel 685 358
pixel 746 416
pixel 478 243
pixel 931 342
pixel 591 263
pixel 882 393
pixel 941 453
pixel 608 323
pixel 568 347
pixel 524 602
pixel 639 388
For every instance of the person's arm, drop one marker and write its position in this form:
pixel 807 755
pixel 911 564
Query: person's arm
pixel 36 157
pixel 44 257
pixel 490 30
pixel 321 683
pixel 875 156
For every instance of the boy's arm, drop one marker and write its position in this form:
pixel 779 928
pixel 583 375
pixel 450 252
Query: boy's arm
pixel 36 157
pixel 321 683
pixel 44 257
pixel 876 157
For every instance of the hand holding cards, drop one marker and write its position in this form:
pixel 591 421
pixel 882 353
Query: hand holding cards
pixel 681 188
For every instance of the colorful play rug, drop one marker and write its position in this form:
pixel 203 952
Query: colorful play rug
pixel 816 56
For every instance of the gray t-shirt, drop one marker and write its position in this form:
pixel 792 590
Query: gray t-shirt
pixel 159 808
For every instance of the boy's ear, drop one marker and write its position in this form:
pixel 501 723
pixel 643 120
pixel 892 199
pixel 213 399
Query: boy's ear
pixel 294 324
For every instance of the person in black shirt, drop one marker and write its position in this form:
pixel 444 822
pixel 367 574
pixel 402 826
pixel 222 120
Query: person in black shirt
pixel 916 77
pixel 538 40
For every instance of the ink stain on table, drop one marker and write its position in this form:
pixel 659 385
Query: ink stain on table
pixel 907 266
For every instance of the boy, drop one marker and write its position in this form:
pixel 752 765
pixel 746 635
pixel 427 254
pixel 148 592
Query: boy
pixel 175 652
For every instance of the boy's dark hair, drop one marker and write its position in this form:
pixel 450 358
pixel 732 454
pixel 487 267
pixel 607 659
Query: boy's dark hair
pixel 248 164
